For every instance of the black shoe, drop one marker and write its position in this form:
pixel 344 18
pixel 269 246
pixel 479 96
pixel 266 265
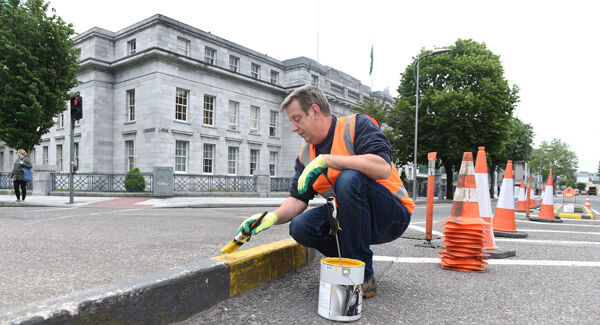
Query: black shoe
pixel 370 288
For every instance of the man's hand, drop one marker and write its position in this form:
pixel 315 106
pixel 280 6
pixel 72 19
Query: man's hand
pixel 311 173
pixel 266 222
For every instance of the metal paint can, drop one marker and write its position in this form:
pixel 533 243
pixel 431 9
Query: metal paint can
pixel 340 289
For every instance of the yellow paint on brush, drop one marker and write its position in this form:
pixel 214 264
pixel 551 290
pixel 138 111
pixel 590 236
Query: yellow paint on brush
pixel 229 248
pixel 255 266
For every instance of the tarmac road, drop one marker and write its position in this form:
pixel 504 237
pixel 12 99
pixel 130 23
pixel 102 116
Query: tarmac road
pixel 533 287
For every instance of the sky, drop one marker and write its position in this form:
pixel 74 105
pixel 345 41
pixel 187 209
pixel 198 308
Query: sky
pixel 549 49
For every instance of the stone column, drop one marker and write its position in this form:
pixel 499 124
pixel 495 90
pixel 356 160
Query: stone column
pixel 42 179
pixel 162 182
pixel 263 184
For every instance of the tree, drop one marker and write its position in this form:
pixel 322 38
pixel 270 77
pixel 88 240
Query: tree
pixel 464 103
pixel 564 161
pixel 38 66
pixel 517 147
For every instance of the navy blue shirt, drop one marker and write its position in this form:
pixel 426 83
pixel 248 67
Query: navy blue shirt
pixel 368 138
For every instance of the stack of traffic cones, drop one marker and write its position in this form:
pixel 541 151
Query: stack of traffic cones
pixel 485 208
pixel 504 217
pixel 464 228
pixel 522 202
pixel 547 207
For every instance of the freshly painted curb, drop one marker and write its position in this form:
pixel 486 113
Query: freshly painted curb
pixel 171 295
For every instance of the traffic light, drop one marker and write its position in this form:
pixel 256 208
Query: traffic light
pixel 76 108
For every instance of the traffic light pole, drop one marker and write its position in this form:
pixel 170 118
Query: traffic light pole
pixel 71 158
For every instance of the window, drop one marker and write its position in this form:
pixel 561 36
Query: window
pixel 210 55
pixel 209 110
pixel 337 88
pixel 181 104
pixel 274 77
pixel 45 155
pixel 272 162
pixel 254 119
pixel 76 153
pixel 315 80
pixel 232 160
pixel 59 157
pixel 255 71
pixel 208 160
pixel 353 95
pixel 234 63
pixel 31 156
pixel 1 160
pixel 130 105
pixel 183 46
pixel 129 155
pixel 253 160
pixel 181 154
pixel 60 121
pixel 273 123
pixel 234 108
pixel 131 47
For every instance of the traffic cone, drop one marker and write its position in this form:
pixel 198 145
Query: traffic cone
pixel 464 228
pixel 483 196
pixel 588 204
pixel 504 216
pixel 542 196
pixel 547 208
pixel 532 203
pixel 485 208
pixel 522 203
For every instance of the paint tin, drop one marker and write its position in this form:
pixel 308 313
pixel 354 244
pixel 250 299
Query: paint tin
pixel 340 289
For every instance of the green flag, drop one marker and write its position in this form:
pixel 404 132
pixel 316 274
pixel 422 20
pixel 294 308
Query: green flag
pixel 371 69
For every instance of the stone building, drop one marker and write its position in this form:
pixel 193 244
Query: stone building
pixel 163 93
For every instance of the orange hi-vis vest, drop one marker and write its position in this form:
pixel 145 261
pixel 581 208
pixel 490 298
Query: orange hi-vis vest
pixel 343 145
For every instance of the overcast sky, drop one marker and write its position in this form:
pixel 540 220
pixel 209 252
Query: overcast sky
pixel 550 49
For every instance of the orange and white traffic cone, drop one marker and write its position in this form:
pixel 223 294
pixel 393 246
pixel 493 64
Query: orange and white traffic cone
pixel 485 208
pixel 504 216
pixel 522 202
pixel 588 204
pixel 547 208
pixel 483 196
pixel 532 203
pixel 542 196
pixel 463 230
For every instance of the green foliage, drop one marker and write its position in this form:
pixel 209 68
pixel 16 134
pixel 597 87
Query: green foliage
pixel 580 186
pixel 518 145
pixel 556 153
pixel 134 181
pixel 38 66
pixel 403 177
pixel 464 103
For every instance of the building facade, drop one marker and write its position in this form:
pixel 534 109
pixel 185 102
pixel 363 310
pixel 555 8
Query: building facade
pixel 163 93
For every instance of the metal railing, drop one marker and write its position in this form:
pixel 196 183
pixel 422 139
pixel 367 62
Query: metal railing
pixel 280 184
pixel 7 183
pixel 95 182
pixel 214 183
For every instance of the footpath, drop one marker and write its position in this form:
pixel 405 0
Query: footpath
pixel 132 260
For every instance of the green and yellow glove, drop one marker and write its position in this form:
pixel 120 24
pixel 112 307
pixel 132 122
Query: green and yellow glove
pixel 311 173
pixel 266 222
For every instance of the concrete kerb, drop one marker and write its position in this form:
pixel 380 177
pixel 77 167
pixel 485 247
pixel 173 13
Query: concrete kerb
pixel 170 295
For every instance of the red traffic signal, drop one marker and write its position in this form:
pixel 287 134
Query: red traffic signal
pixel 76 108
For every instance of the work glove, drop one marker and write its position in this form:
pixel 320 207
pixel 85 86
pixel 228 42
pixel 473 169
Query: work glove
pixel 311 173
pixel 266 222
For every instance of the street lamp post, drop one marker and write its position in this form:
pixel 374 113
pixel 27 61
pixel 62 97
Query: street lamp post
pixel 417 115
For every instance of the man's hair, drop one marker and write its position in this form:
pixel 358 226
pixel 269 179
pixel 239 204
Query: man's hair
pixel 307 96
pixel 23 152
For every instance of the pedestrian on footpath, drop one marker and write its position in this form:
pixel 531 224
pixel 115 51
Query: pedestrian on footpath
pixel 348 158
pixel 17 174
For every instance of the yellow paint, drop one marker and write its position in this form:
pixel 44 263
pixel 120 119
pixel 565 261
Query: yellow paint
pixel 335 261
pixel 229 248
pixel 255 266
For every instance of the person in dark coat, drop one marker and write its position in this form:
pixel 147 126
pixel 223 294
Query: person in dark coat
pixel 17 174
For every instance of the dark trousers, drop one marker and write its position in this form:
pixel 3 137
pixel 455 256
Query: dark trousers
pixel 23 193
pixel 367 212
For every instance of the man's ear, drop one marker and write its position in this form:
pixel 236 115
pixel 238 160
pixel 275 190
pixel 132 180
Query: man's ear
pixel 316 110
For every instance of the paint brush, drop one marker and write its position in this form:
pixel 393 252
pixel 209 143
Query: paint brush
pixel 241 237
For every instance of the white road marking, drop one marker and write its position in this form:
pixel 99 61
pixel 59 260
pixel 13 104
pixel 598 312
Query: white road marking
pixel 436 260
pixel 560 231
pixel 421 229
pixel 434 205
pixel 50 209
pixel 596 212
